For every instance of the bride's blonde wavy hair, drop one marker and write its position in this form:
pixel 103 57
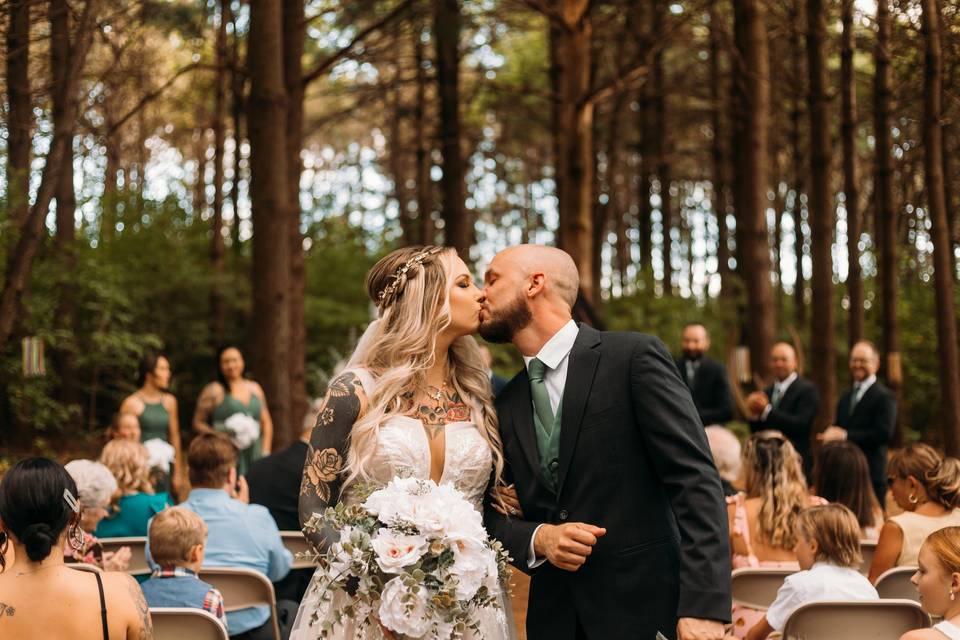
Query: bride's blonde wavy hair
pixel 410 287
pixel 774 473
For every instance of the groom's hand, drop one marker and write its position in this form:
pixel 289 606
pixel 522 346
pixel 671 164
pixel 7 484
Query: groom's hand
pixel 697 629
pixel 566 546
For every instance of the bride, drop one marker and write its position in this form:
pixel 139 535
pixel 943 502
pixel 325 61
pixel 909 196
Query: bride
pixel 413 401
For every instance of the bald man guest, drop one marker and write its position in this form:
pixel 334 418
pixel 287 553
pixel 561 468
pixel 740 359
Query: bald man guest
pixel 866 414
pixel 789 405
pixel 622 522
pixel 705 377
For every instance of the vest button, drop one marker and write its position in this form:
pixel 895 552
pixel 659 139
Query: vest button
pixel 554 464
pixel 563 514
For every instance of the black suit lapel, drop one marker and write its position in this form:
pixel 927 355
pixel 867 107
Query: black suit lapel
pixel 867 397
pixel 521 411
pixel 581 369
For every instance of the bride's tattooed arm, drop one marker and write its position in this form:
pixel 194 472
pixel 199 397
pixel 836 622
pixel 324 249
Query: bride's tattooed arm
pixel 327 451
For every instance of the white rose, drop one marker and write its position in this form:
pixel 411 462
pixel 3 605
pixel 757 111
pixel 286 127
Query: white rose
pixel 160 453
pixel 473 566
pixel 396 551
pixel 407 618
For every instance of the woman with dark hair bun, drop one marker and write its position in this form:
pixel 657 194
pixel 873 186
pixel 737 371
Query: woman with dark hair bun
pixel 40 597
pixel 841 474
pixel 156 410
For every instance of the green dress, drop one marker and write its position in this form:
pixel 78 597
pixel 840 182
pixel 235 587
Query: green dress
pixel 154 422
pixel 229 407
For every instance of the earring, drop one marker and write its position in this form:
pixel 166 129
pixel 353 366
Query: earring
pixel 4 541
pixel 76 538
pixel 953 596
pixel 913 498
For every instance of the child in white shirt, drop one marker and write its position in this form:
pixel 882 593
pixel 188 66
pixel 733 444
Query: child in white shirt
pixel 828 551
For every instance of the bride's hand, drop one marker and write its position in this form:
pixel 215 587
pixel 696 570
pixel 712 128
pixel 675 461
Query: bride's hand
pixel 505 501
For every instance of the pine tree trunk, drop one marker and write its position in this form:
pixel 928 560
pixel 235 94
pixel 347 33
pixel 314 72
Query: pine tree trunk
pixel 799 164
pixel 456 226
pixel 848 132
pixel 886 218
pixel 237 111
pixel 427 232
pixel 943 277
pixel 823 358
pixel 664 169
pixel 395 150
pixel 218 314
pixel 20 261
pixel 271 208
pixel 19 112
pixel 294 33
pixel 718 98
pixel 752 90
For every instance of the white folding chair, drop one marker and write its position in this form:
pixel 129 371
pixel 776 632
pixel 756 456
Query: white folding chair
pixel 756 587
pixel 867 549
pixel 83 566
pixel 297 544
pixel 181 623
pixel 242 589
pixel 895 583
pixel 138 552
pixel 865 620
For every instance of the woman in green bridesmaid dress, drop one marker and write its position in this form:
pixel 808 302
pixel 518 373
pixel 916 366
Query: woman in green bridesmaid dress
pixel 232 394
pixel 156 409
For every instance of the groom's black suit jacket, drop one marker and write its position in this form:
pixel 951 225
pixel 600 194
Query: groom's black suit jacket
pixel 633 459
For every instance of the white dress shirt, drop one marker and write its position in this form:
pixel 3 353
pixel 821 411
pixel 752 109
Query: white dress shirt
pixel 783 385
pixel 822 581
pixel 556 355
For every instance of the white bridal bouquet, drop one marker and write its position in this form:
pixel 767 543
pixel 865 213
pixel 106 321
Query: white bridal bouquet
pixel 414 556
pixel 242 429
pixel 160 454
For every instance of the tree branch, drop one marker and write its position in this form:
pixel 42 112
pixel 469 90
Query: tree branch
pixel 150 97
pixel 322 68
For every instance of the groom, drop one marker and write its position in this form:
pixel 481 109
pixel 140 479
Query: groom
pixel 624 528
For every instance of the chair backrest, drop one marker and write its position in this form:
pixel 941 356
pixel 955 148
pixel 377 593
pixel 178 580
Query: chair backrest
pixel 297 544
pixel 242 589
pixel 83 566
pixel 866 620
pixel 756 587
pixel 181 623
pixel 895 583
pixel 867 549
pixel 138 552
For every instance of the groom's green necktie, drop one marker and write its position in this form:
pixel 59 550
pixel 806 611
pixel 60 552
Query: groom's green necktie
pixel 541 398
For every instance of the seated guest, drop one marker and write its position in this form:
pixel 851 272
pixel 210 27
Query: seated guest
pixel 706 378
pixel 274 482
pixel 763 519
pixel 841 475
pixel 927 487
pixel 866 415
pixel 726 455
pixel 124 426
pixel 788 406
pixel 828 550
pixel 42 597
pixel 135 502
pixel 177 540
pixel 938 582
pixel 240 534
pixel 96 486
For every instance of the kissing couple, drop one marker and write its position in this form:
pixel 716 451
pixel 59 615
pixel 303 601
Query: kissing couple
pixel 591 467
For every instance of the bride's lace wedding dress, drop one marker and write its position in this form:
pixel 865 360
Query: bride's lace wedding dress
pixel 403 451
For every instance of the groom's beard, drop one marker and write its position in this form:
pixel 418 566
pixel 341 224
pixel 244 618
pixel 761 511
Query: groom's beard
pixel 502 327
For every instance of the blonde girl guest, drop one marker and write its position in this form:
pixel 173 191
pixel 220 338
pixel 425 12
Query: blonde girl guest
pixel 232 396
pixel 938 582
pixel 763 518
pixel 156 410
pixel 135 501
pixel 828 552
pixel 927 487
pixel 414 400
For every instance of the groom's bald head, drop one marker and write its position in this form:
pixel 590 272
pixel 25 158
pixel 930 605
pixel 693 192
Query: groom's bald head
pixel 561 279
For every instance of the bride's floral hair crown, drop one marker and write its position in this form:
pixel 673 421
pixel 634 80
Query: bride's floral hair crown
pixel 399 277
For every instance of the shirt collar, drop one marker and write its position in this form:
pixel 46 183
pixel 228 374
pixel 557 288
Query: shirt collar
pixel 786 382
pixel 866 383
pixel 208 495
pixel 557 347
pixel 170 571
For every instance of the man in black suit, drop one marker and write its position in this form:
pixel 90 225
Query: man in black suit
pixel 706 378
pixel 789 405
pixel 866 414
pixel 274 482
pixel 623 526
